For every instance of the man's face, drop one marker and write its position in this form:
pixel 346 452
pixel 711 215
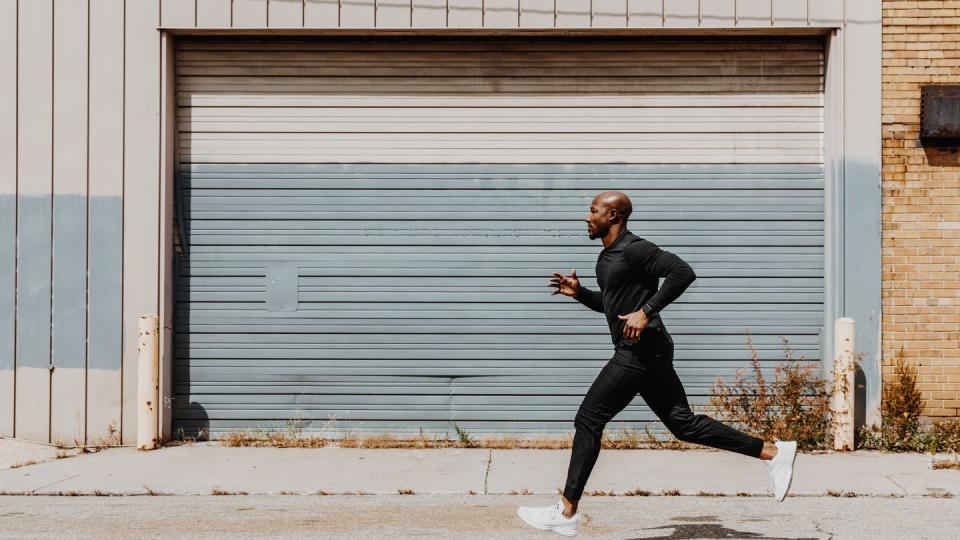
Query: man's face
pixel 598 220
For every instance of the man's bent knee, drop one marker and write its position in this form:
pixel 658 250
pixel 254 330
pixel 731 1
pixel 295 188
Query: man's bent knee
pixel 593 426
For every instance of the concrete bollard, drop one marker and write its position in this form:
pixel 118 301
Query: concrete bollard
pixel 148 382
pixel 843 391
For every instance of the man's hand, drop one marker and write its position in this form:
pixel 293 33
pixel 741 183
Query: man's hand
pixel 635 324
pixel 568 285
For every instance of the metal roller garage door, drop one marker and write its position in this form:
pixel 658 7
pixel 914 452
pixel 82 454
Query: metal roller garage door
pixel 368 227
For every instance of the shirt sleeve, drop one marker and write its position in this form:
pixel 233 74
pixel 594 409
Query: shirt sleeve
pixel 645 256
pixel 591 299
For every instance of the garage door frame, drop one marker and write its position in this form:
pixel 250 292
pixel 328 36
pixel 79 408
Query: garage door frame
pixel 851 219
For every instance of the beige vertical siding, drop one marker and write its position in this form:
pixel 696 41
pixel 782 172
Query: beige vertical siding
pixel 167 257
pixel 80 116
pixel 326 13
pixel 500 14
pixel 34 205
pixel 179 13
pixel 285 14
pixel 717 13
pixel 214 13
pixel 141 144
pixel 79 109
pixel 8 211
pixel 249 14
pixel 105 245
pixel 68 378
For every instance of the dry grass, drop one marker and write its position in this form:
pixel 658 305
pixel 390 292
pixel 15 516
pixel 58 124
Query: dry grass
pixel 524 492
pixel 444 441
pixel 940 495
pixel 112 439
pixel 289 493
pixel 947 464
pixel 615 442
pixel 321 492
pixel 600 493
pixel 471 492
pixel 744 494
pixel 710 494
pixel 25 463
pixel 840 493
pixel 218 491
pixel 627 438
pixel 945 436
pixel 623 438
pixel 636 493
pixel 271 439
pixel 405 491
pixel 670 493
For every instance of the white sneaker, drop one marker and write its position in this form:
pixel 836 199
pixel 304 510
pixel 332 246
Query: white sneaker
pixel 781 468
pixel 550 518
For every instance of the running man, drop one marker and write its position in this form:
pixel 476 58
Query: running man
pixel 642 362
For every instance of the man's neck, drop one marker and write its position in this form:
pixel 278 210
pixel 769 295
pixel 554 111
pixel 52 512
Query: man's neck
pixel 613 234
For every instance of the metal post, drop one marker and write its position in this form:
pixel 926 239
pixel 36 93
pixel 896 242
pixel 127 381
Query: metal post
pixel 148 382
pixel 843 390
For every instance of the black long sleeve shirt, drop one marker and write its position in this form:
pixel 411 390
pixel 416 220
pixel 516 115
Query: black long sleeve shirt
pixel 627 272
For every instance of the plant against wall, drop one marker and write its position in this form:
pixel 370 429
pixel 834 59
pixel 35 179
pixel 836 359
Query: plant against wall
pixel 794 406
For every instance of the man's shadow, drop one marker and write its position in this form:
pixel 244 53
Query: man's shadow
pixel 710 530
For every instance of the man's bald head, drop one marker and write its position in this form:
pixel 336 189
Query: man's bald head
pixel 608 214
pixel 616 200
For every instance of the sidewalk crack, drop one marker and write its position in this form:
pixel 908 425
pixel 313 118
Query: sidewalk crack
pixel 820 529
pixel 34 491
pixel 890 478
pixel 486 477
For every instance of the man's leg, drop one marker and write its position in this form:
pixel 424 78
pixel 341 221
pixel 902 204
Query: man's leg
pixel 665 395
pixel 614 389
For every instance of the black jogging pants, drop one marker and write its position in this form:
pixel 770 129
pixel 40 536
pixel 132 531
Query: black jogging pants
pixel 644 368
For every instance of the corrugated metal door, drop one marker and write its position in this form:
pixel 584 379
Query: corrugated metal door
pixel 369 226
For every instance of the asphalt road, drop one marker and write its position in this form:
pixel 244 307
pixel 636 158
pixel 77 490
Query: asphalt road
pixel 464 516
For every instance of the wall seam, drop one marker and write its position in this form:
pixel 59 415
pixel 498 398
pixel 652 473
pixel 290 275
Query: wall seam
pixel 53 221
pixel 16 213
pixel 157 431
pixel 86 263
pixel 123 198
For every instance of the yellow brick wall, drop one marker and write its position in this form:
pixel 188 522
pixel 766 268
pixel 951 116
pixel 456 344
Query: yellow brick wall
pixel 921 204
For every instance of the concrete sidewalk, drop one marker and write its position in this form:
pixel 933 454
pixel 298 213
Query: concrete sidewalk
pixel 205 468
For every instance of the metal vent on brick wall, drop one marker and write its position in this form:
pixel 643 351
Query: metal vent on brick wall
pixel 940 115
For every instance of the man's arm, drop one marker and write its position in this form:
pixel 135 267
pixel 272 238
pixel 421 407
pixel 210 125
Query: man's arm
pixel 591 299
pixel 646 256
